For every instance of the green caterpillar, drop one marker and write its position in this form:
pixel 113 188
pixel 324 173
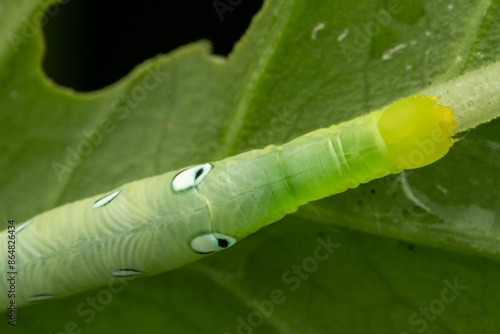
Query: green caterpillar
pixel 166 221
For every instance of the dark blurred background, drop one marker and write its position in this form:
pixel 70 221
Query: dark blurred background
pixel 91 43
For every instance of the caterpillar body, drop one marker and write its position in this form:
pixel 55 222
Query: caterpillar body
pixel 166 221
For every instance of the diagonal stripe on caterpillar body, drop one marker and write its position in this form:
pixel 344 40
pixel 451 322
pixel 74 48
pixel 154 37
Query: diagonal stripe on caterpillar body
pixel 166 221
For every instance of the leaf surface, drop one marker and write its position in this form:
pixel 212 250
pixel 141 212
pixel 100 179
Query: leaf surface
pixel 414 252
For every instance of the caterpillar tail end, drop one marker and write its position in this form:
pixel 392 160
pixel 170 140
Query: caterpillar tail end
pixel 417 131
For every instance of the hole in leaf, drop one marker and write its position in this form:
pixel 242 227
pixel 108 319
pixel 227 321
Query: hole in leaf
pixel 91 44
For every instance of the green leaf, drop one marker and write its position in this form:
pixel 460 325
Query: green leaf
pixel 404 240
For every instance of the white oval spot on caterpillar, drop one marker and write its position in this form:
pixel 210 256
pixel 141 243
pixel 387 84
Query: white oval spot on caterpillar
pixel 23 225
pixel 211 242
pixel 19 228
pixel 189 178
pixel 105 200
pixel 39 298
pixel 126 272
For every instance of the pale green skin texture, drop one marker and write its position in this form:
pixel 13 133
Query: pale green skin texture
pixel 148 227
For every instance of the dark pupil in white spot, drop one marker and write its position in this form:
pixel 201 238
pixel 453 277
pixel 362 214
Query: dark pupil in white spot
pixel 198 173
pixel 222 243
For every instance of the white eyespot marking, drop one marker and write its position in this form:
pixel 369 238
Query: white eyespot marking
pixel 105 200
pixel 189 178
pixel 126 273
pixel 211 242
pixel 39 298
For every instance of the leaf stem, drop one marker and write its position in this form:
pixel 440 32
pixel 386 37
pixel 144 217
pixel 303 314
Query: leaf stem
pixel 474 97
